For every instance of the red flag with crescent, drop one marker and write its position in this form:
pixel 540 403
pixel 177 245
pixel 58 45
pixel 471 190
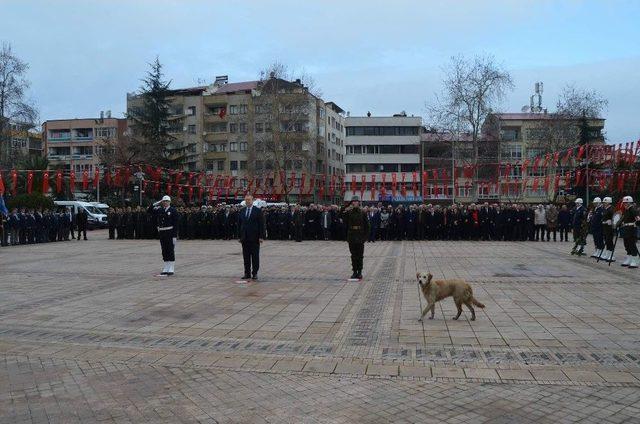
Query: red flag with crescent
pixel 45 182
pixel 14 182
pixel 29 181
pixel 85 179
pixel 59 181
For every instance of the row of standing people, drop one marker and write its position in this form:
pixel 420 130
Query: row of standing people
pixel 324 222
pixel 29 226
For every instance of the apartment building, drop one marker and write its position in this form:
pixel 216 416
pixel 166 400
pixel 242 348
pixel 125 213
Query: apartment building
pixel 77 143
pixel 23 140
pixel 506 138
pixel 379 149
pixel 253 130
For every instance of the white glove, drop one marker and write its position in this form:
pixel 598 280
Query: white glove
pixel 157 203
pixel 175 240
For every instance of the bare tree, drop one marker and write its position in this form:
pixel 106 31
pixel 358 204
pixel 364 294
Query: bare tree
pixel 472 90
pixel 564 128
pixel 286 106
pixel 14 107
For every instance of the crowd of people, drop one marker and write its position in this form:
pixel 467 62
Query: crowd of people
pixel 514 222
pixel 29 226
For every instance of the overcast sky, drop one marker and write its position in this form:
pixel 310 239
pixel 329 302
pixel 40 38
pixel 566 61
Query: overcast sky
pixel 365 55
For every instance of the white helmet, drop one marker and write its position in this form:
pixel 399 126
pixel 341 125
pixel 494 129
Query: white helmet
pixel 607 200
pixel 579 200
pixel 597 200
pixel 166 198
pixel 627 199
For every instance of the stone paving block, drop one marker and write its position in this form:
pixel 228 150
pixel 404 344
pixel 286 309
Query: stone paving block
pixel 481 373
pixel 230 362
pixel 288 365
pixel 548 375
pixel 322 366
pixel 382 370
pixel 583 376
pixel 448 372
pixel 515 375
pixel 350 368
pixel 618 377
pixel 413 371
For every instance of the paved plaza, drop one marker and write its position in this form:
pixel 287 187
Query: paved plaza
pixel 87 334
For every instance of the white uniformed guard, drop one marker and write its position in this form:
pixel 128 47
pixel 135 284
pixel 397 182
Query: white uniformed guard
pixel 167 222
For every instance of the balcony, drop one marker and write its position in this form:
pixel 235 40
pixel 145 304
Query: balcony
pixel 60 138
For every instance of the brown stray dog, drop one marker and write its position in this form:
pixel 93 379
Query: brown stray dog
pixel 441 289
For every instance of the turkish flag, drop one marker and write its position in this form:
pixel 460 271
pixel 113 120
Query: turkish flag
pixel 580 152
pixel 190 193
pixel 222 113
pixel 85 180
pixel 567 180
pixel 292 180
pixel 14 182
pixel 414 183
pixel 363 185
pixel 72 181
pixel 45 182
pixel 546 183
pixel 29 182
pixel 96 177
pixel 343 188
pixel 556 158
pixel 354 186
pixel 322 183
pixel 178 177
pixel 169 187
pixel 180 191
pixel 535 184
pixel 425 178
pixel 332 186
pixel 394 184
pixel 312 184
pixel 303 181
pixel 373 186
pixel 1 185
pixel 59 181
pixel 536 162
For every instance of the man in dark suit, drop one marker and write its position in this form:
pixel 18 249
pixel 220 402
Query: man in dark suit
pixel 252 233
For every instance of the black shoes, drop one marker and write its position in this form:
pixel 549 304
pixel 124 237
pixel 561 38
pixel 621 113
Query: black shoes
pixel 254 277
pixel 354 275
pixel 359 275
pixel 246 277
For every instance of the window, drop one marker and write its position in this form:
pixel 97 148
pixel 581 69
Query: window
pixel 242 109
pixel 233 165
pixel 233 146
pixel 219 127
pixel 378 131
pixel 233 128
pixel 191 111
pixel 267 126
pixel 243 164
pixel 244 146
pixel 243 127
pixel 259 164
pixel 191 129
pixel 512 152
pixel 105 132
pixel 409 167
pixel 233 110
pixel 215 110
pixel 259 127
pixel 510 134
pixel 221 165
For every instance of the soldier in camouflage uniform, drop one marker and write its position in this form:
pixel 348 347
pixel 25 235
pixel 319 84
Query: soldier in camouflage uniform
pixel 579 228
pixel 357 225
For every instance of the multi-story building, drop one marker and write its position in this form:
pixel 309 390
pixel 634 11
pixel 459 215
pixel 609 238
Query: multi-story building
pixel 515 139
pixel 379 150
pixel 77 143
pixel 233 129
pixel 24 141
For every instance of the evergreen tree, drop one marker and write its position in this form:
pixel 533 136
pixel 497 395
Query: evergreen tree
pixel 150 121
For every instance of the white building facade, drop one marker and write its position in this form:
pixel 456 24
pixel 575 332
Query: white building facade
pixel 383 158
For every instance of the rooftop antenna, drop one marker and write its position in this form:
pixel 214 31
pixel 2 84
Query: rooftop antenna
pixel 537 98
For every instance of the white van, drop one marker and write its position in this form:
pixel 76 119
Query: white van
pixel 102 207
pixel 96 218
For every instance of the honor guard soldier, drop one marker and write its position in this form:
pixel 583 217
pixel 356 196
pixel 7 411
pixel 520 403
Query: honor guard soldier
pixel 167 223
pixel 629 223
pixel 596 228
pixel 357 234
pixel 607 230
pixel 579 228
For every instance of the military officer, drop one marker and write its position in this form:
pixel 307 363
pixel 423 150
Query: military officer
pixel 167 222
pixel 579 228
pixel 629 222
pixel 596 227
pixel 607 229
pixel 357 233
